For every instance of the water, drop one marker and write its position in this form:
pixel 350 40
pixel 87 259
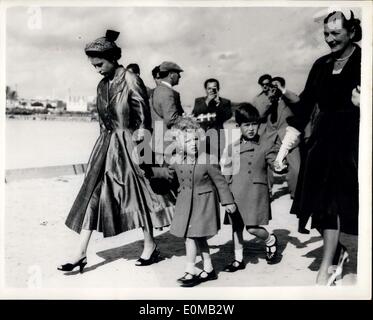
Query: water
pixel 31 143
pixel 48 143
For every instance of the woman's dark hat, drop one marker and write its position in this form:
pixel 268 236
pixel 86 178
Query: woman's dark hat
pixel 103 44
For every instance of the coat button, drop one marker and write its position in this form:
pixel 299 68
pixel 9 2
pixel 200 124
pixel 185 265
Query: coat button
pixel 249 162
pixel 249 171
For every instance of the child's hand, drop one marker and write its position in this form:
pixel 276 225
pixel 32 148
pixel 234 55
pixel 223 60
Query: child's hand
pixel 169 173
pixel 280 167
pixel 355 97
pixel 230 208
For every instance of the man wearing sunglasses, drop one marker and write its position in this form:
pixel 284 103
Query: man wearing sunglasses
pixel 263 100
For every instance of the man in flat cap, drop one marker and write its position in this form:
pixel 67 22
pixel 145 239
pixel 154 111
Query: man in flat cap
pixel 165 106
pixel 166 101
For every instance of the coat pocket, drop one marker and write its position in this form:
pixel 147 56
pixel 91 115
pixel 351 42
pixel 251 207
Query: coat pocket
pixel 204 190
pixel 260 180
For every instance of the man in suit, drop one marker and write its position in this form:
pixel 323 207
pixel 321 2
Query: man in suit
pixel 211 112
pixel 166 109
pixel 166 101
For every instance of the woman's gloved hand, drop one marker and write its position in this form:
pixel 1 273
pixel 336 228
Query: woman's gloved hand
pixel 290 141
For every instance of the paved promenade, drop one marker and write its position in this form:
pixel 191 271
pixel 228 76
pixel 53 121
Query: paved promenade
pixel 37 241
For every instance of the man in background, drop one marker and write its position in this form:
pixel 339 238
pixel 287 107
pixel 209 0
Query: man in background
pixel 211 112
pixel 262 101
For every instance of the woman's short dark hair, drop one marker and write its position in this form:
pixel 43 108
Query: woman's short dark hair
pixel 264 77
pixel 246 112
pixel 350 25
pixel 212 80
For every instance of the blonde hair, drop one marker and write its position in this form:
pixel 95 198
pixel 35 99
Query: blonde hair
pixel 186 123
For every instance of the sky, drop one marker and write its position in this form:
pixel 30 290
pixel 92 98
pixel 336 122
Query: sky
pixel 45 47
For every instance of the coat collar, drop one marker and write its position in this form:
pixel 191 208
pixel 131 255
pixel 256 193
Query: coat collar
pixel 109 90
pixel 248 145
pixel 118 82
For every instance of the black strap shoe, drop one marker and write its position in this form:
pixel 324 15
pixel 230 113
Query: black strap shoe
pixel 271 252
pixel 234 266
pixel 189 280
pixel 207 276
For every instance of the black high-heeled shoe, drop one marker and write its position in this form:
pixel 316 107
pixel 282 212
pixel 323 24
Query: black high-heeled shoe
pixel 71 266
pixel 154 257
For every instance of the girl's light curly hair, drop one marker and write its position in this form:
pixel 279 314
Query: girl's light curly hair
pixel 186 123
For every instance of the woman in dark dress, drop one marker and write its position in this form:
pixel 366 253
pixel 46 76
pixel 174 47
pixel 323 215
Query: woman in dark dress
pixel 115 195
pixel 327 188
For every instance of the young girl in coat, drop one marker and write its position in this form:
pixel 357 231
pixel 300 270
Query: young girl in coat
pixel 249 186
pixel 197 215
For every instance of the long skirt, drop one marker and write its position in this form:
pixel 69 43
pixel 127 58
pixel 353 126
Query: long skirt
pixel 116 196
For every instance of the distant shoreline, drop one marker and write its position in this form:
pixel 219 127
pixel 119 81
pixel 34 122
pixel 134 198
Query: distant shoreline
pixel 51 117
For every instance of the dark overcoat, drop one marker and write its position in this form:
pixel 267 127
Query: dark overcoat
pixel 223 112
pixel 328 181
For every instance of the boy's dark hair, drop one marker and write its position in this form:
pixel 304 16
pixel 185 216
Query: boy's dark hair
pixel 155 72
pixel 264 77
pixel 134 67
pixel 246 112
pixel 279 79
pixel 212 80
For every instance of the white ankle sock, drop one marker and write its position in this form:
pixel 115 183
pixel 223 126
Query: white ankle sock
pixel 207 264
pixel 190 268
pixel 238 255
pixel 270 241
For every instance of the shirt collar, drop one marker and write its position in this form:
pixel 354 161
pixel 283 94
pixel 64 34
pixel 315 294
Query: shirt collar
pixel 166 84
pixel 254 140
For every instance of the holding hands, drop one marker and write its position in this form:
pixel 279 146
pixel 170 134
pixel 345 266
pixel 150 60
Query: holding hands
pixel 280 166
pixel 230 208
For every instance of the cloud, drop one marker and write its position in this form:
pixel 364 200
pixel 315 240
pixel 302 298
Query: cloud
pixel 235 45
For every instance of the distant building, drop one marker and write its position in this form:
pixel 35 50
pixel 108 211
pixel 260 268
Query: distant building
pixel 77 103
pixel 10 104
pixel 40 104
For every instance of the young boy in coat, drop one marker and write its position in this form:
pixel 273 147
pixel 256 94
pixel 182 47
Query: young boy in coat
pixel 197 215
pixel 249 186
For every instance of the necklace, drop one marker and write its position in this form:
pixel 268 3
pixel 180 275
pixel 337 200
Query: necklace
pixel 345 58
